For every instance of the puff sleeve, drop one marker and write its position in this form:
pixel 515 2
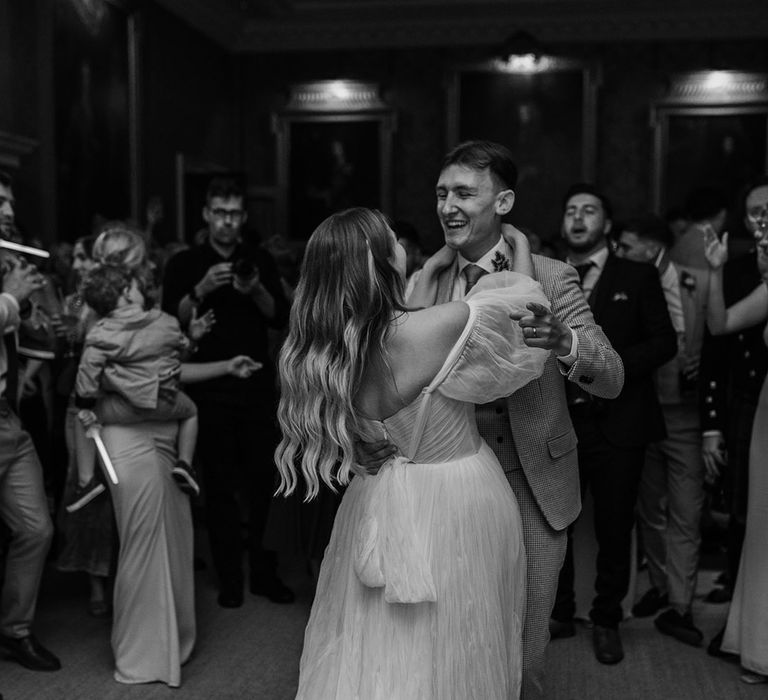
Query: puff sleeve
pixel 491 359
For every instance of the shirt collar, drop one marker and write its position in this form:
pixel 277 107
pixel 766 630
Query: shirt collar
pixel 486 262
pixel 598 259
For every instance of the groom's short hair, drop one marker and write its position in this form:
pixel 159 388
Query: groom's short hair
pixel 479 155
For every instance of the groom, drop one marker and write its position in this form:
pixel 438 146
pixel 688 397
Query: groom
pixel 530 431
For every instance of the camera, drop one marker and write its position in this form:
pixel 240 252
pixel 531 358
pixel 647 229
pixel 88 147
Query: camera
pixel 244 270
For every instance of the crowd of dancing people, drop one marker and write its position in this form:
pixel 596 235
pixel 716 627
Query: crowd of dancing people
pixel 461 405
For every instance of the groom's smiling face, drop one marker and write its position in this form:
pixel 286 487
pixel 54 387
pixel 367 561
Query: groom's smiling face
pixel 469 206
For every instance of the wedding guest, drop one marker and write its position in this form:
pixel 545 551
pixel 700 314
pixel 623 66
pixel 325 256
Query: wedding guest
pixel 154 627
pixel 733 368
pixel 129 371
pixel 23 504
pixel 427 554
pixel 237 435
pixel 745 631
pixel 628 302
pixel 87 538
pixel 671 494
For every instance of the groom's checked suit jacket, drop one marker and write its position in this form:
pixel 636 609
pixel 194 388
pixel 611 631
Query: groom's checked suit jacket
pixel 538 413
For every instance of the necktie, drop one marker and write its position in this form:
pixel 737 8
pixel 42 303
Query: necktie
pixel 472 273
pixel 582 270
pixel 11 370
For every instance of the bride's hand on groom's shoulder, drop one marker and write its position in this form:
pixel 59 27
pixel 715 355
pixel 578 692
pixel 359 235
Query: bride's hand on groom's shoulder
pixel 440 260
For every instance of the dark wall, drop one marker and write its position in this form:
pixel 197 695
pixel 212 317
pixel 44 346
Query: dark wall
pixel 413 83
pixel 24 35
pixel 188 96
pixel 190 105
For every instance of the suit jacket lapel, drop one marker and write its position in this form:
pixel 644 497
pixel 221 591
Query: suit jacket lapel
pixel 599 296
pixel 445 283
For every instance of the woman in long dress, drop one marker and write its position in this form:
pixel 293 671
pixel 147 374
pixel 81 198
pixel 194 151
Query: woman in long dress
pixel 153 630
pixel 746 632
pixel 421 592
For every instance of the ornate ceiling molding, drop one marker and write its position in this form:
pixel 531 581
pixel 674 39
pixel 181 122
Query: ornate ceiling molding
pixel 358 24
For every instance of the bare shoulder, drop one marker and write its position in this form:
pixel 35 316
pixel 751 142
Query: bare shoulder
pixel 444 320
pixel 433 330
pixel 421 342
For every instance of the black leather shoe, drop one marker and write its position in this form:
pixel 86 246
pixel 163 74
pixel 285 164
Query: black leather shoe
pixel 230 598
pixel 29 653
pixel 651 602
pixel 561 630
pixel 679 626
pixel 273 589
pixel 607 645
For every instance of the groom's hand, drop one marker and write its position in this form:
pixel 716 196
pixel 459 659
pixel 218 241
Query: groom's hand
pixel 369 456
pixel 542 329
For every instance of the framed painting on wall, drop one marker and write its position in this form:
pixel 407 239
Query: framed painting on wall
pixel 710 130
pixel 543 109
pixel 334 150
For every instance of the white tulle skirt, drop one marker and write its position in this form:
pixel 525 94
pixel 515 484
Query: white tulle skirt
pixel 422 589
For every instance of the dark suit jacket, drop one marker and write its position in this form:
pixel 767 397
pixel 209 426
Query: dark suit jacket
pixel 628 303
pixel 734 366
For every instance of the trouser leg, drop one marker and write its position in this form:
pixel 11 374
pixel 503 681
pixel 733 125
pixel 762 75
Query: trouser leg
pixel 652 513
pixel 23 507
pixel 545 549
pixel 686 500
pixel 614 487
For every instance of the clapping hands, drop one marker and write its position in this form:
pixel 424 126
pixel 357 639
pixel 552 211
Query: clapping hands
pixel 199 326
pixel 715 250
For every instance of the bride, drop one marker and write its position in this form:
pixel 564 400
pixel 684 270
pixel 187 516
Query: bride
pixel 422 589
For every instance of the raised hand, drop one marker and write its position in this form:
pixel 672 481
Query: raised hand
pixel 441 259
pixel 199 326
pixel 715 250
pixel 520 244
pixel 542 329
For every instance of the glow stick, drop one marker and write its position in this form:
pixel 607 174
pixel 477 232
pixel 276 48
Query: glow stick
pixel 94 433
pixel 27 250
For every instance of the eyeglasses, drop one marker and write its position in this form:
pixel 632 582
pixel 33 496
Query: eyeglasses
pixel 224 214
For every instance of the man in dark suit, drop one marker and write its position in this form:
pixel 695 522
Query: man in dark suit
pixel 628 302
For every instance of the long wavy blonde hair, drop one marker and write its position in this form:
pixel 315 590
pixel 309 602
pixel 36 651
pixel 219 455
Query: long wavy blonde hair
pixel 347 296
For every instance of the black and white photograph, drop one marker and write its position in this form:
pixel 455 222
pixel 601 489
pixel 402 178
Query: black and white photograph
pixel 383 350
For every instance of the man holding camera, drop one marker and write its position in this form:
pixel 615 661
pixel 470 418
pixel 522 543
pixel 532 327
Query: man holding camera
pixel 237 433
pixel 23 505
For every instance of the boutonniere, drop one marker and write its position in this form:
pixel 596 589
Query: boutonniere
pixel 687 281
pixel 620 296
pixel 500 262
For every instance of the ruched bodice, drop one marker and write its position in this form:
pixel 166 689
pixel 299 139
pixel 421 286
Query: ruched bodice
pixel 449 431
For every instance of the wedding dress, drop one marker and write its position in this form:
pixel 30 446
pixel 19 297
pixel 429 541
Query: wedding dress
pixel 421 592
